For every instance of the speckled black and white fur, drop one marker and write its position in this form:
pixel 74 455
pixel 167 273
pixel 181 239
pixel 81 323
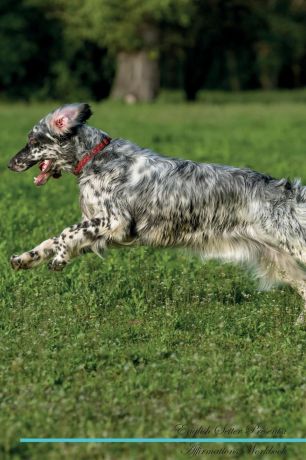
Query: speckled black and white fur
pixel 131 195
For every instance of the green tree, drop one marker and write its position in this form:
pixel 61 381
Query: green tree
pixel 25 52
pixel 134 32
pixel 281 40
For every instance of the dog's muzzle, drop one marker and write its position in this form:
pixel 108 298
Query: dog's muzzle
pixel 18 166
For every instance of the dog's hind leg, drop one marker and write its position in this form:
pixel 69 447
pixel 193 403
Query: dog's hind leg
pixel 278 266
pixel 297 279
pixel 300 286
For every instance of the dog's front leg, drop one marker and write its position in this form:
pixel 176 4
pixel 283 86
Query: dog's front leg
pixel 72 241
pixel 41 253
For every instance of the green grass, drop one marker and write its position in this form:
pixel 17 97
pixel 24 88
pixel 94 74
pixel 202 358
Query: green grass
pixel 146 340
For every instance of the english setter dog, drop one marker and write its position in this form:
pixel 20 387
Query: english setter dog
pixel 131 195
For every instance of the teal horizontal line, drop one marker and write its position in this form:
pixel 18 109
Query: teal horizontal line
pixel 167 440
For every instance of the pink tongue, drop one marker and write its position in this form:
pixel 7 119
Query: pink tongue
pixel 42 178
pixel 45 167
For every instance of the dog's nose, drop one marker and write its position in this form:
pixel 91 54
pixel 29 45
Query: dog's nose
pixel 12 164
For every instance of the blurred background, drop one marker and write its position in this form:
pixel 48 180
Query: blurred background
pixel 131 49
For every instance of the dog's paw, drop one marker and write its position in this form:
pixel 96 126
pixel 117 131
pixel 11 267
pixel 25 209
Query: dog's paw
pixel 57 264
pixel 16 262
pixel 25 261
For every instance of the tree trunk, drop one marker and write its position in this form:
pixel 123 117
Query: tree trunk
pixel 233 74
pixel 137 77
pixel 296 71
pixel 193 73
pixel 267 67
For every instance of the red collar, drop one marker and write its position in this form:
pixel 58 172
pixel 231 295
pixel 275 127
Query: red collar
pixel 88 156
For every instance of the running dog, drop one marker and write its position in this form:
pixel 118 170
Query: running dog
pixel 131 195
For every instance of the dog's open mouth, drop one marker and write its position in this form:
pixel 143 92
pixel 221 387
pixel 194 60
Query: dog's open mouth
pixel 46 172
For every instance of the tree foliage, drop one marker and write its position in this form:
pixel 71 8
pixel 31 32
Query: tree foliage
pixel 65 49
pixel 119 25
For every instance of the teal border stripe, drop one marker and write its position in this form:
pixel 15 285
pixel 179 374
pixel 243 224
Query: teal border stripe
pixel 166 440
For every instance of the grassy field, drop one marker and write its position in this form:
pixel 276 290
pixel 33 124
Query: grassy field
pixel 147 341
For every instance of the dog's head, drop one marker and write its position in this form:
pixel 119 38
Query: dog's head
pixel 54 143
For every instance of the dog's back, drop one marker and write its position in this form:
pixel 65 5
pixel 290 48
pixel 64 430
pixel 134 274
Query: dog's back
pixel 180 202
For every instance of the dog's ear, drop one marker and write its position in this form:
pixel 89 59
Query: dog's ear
pixel 62 120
